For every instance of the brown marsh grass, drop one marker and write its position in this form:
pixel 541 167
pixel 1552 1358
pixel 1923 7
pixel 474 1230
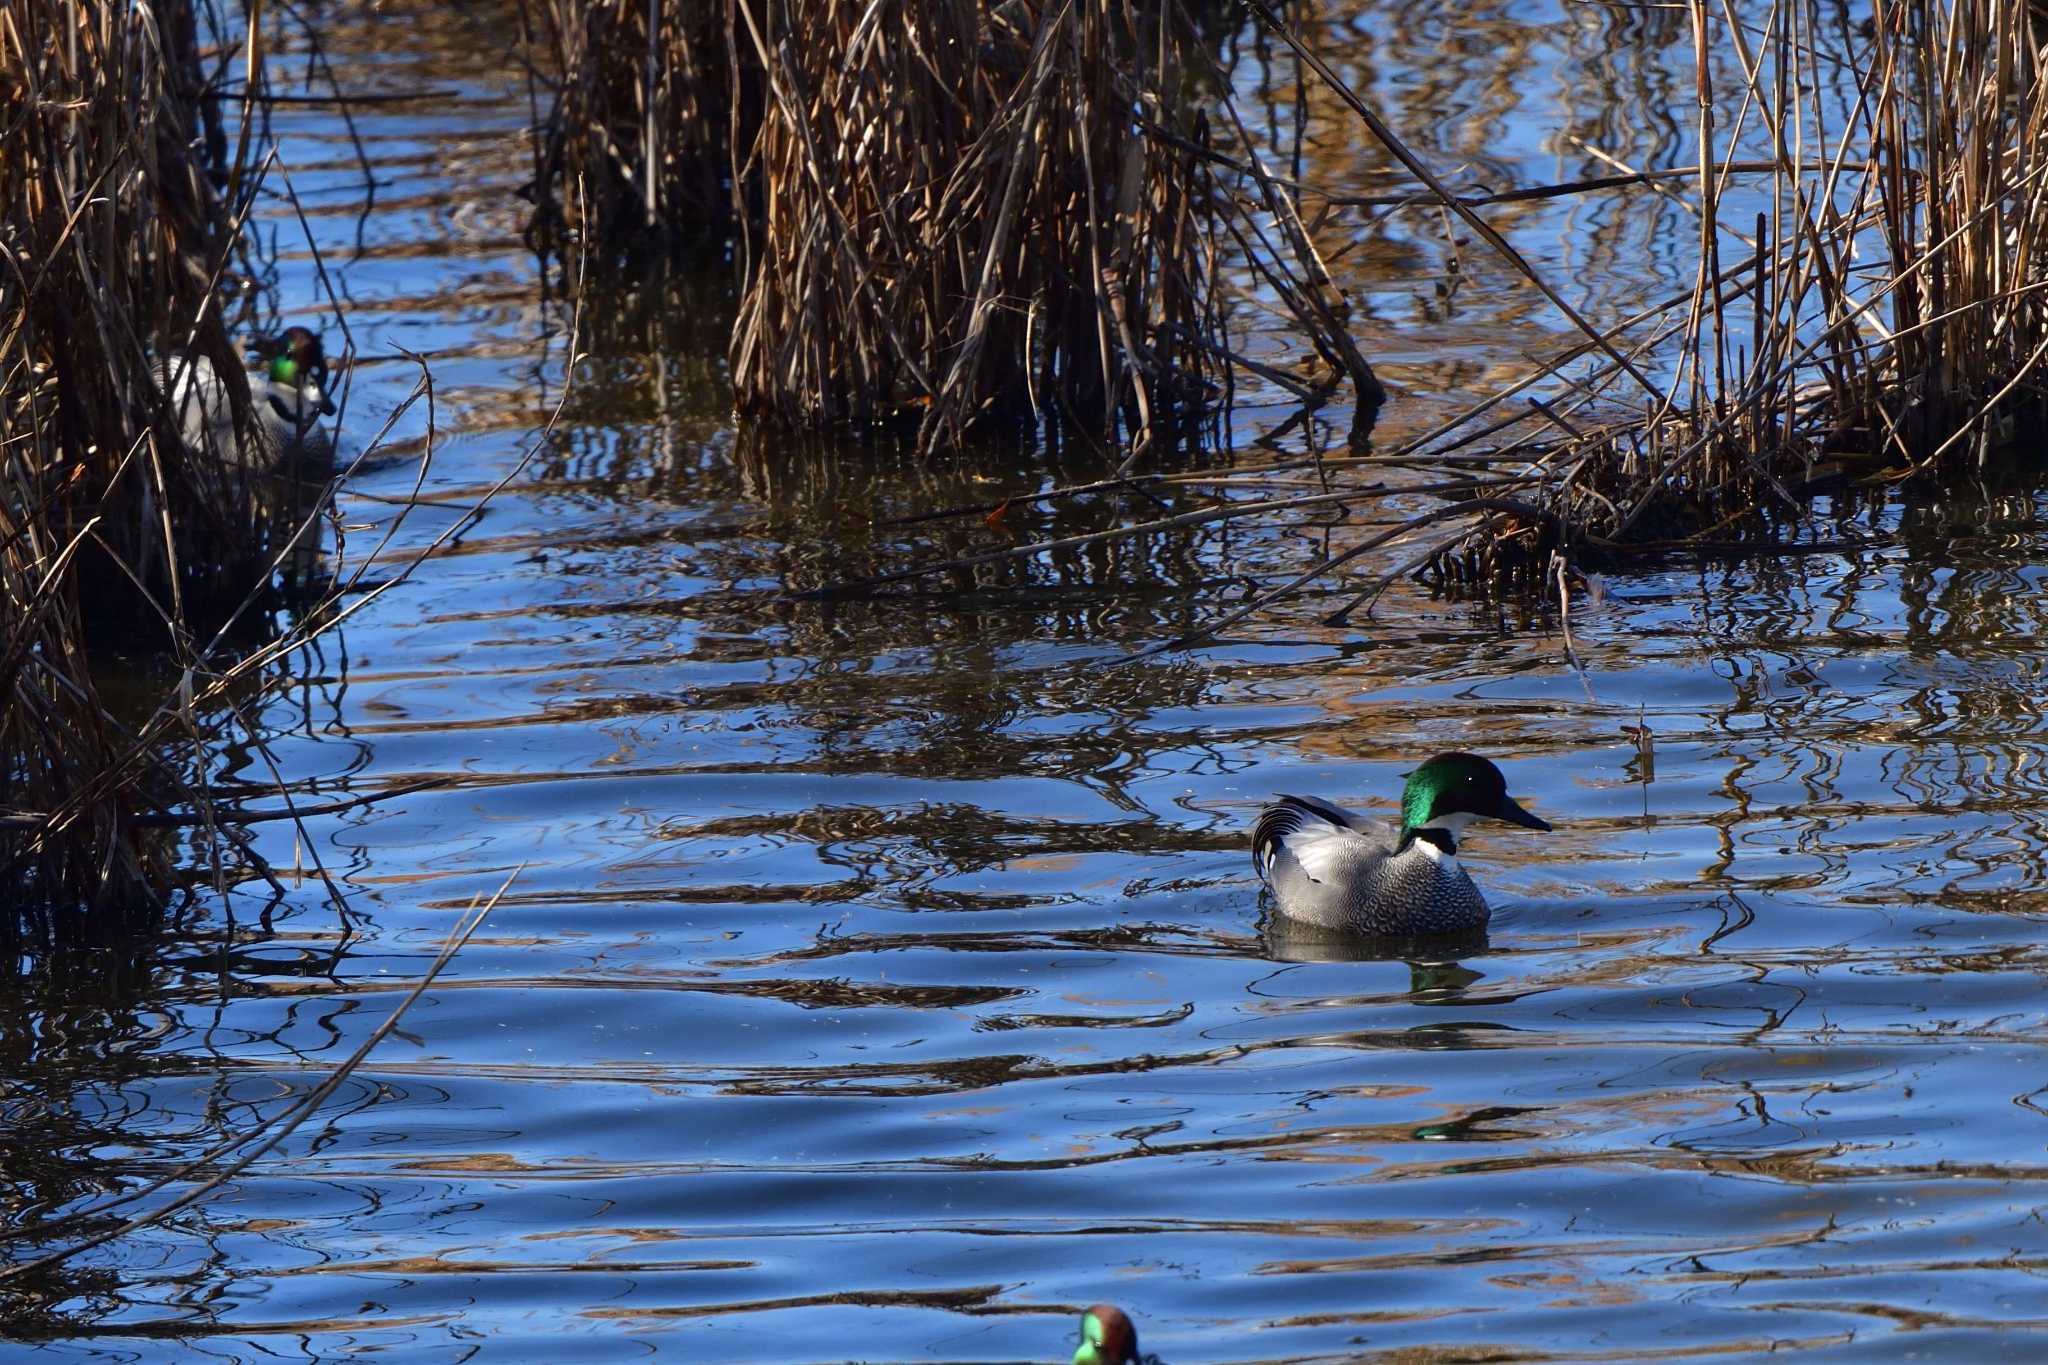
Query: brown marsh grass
pixel 963 218
pixel 949 214
pixel 1867 309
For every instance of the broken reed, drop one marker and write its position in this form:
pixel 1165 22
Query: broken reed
pixel 112 241
pixel 1880 318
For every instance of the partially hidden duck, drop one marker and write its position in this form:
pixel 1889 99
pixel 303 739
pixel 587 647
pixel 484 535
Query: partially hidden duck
pixel 1339 871
pixel 1107 1337
pixel 290 393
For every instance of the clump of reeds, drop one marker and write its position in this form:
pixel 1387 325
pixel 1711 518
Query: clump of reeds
pixel 113 242
pixel 121 241
pixel 1882 319
pixel 950 214
pixel 637 143
pixel 975 212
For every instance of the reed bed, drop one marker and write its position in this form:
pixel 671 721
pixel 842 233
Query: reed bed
pixel 113 237
pixel 951 216
pixel 1867 310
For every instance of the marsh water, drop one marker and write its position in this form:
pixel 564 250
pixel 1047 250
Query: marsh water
pixel 886 979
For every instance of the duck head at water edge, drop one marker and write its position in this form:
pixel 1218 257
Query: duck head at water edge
pixel 1107 1337
pixel 1336 870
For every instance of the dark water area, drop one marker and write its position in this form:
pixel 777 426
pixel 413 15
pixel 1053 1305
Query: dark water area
pixel 887 980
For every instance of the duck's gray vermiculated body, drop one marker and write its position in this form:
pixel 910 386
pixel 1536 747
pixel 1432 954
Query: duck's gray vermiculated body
pixel 1362 883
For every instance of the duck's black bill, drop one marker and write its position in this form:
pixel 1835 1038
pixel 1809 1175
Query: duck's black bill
pixel 1515 815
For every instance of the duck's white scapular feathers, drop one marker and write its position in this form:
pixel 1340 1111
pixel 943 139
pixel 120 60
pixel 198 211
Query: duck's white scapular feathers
pixel 1314 833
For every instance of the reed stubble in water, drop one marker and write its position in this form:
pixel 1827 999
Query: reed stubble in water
pixel 637 141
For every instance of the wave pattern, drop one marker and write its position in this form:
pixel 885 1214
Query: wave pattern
pixel 886 980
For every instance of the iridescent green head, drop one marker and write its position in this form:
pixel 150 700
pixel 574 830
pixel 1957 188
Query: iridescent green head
pixel 1107 1337
pixel 296 363
pixel 1454 785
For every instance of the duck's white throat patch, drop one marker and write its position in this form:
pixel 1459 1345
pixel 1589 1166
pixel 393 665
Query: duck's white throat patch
pixel 1454 825
pixel 1435 854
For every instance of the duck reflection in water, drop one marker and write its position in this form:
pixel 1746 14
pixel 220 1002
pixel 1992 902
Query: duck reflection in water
pixel 1431 958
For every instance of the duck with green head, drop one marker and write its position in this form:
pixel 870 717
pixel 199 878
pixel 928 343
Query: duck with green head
pixel 1107 1337
pixel 1336 870
pixel 289 394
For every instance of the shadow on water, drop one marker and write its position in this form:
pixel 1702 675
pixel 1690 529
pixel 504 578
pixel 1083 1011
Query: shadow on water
pixel 886 979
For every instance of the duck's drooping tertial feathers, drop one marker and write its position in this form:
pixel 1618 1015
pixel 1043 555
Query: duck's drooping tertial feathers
pixel 1107 1337
pixel 1337 870
pixel 290 398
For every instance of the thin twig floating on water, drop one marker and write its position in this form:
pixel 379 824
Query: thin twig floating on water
pixel 1467 507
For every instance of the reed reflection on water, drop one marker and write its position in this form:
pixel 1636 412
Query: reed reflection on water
pixel 886 977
